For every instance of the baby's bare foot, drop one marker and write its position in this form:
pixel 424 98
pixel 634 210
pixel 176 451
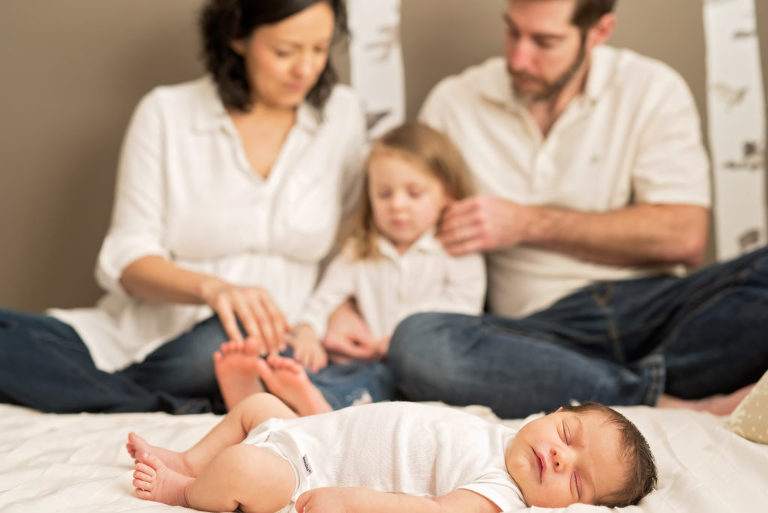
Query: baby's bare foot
pixel 172 459
pixel 287 379
pixel 154 481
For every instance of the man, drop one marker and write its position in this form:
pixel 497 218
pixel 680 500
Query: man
pixel 594 197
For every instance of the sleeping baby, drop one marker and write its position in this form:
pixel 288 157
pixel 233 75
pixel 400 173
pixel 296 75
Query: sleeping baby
pixel 397 456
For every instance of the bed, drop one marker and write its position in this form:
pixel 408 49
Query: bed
pixel 78 463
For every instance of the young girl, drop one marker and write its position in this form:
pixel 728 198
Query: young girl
pixel 391 267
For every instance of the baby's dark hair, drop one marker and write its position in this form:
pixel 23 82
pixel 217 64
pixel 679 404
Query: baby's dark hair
pixel 641 472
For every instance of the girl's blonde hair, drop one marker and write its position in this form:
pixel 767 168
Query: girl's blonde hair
pixel 426 147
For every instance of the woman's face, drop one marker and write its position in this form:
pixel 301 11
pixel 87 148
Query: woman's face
pixel 284 60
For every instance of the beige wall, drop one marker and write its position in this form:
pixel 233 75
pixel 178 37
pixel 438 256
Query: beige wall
pixel 73 71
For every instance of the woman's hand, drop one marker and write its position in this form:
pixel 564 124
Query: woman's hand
pixel 255 310
pixel 308 350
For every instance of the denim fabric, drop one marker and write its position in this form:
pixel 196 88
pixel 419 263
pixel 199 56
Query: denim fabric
pixel 183 366
pixel 355 383
pixel 45 365
pixel 619 343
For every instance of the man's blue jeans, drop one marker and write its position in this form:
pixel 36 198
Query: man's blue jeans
pixel 618 343
pixel 45 365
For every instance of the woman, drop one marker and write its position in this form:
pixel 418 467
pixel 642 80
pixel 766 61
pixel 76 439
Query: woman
pixel 228 195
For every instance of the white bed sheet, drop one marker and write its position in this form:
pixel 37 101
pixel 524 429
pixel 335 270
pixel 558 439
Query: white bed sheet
pixel 78 463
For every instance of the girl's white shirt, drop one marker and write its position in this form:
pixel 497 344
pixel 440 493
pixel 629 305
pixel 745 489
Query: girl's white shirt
pixel 185 191
pixel 387 289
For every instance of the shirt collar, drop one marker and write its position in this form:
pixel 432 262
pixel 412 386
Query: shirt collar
pixel 212 115
pixel 600 72
pixel 427 243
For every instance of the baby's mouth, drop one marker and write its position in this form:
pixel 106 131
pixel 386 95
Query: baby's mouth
pixel 539 464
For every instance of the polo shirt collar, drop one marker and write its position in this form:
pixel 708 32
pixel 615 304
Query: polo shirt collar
pixel 212 115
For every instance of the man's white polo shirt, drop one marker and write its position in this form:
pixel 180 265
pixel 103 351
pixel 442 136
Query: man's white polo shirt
pixel 633 136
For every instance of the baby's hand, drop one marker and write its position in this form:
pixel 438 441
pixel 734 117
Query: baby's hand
pixel 308 350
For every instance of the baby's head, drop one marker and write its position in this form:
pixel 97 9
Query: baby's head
pixel 411 174
pixel 588 453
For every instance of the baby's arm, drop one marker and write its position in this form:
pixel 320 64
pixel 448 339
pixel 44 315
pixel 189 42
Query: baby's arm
pixel 307 348
pixel 365 500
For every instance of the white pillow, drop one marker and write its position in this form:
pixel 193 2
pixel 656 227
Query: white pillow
pixel 750 418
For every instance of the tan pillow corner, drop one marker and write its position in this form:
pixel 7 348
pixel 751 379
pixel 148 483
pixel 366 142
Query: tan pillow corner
pixel 750 418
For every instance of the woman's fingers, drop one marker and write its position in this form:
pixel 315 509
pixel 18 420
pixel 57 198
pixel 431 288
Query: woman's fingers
pixel 276 320
pixel 253 311
pixel 228 319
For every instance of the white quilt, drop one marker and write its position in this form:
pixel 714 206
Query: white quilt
pixel 78 463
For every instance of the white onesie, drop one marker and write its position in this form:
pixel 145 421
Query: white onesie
pixel 400 447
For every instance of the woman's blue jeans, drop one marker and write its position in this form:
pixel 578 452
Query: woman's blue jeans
pixel 618 343
pixel 45 365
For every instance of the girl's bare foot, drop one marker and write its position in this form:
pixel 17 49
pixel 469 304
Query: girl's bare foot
pixel 287 379
pixel 236 373
pixel 721 404
pixel 174 460
pixel 154 481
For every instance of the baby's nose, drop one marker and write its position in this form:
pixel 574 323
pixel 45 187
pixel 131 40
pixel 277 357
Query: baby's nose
pixel 561 459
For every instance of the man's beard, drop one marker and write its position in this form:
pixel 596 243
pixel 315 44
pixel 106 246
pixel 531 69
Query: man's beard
pixel 550 89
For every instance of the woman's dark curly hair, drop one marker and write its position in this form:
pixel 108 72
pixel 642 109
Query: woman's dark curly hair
pixel 224 21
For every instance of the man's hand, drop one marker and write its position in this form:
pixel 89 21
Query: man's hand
pixel 482 223
pixel 349 337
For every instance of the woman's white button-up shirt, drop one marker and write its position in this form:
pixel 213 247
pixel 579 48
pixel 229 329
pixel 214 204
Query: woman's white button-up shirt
pixel 185 191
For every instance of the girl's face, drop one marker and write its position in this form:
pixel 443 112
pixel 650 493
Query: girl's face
pixel 406 199
pixel 284 60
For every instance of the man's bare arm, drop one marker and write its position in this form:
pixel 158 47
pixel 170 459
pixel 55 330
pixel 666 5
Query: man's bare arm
pixel 633 236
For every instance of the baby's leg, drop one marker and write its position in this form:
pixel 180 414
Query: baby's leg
pixel 242 476
pixel 232 430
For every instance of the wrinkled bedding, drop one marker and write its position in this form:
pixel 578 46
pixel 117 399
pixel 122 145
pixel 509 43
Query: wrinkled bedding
pixel 78 463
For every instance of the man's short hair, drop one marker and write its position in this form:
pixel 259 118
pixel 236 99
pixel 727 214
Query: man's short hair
pixel 588 12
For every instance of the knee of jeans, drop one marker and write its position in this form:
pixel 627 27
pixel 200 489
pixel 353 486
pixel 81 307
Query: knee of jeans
pixel 408 332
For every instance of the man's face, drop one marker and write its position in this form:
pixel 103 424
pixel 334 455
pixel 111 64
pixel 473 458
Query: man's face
pixel 544 49
pixel 565 457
